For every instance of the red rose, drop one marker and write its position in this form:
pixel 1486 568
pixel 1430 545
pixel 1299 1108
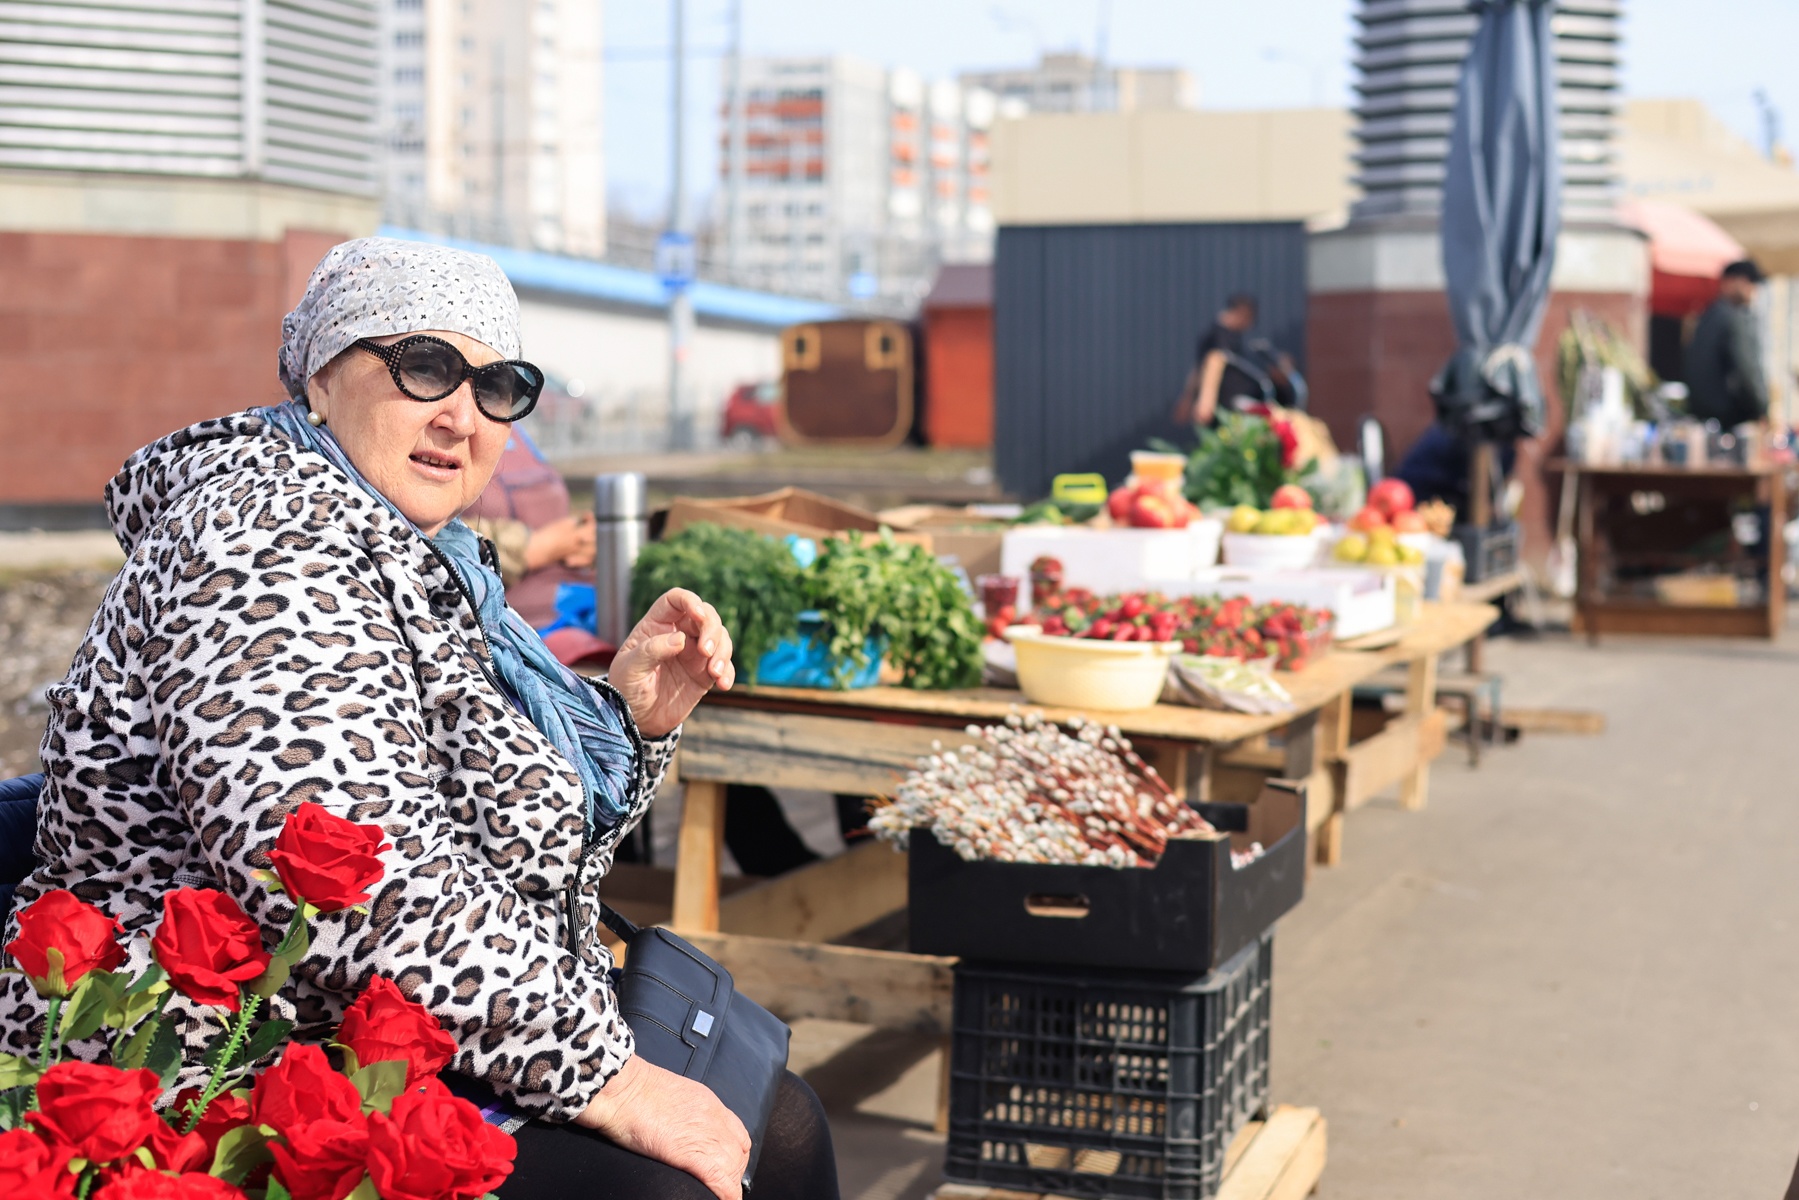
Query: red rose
pixel 84 936
pixel 384 1026
pixel 140 1184
pixel 322 1160
pixel 302 1088
pixel 33 1166
pixel 326 861
pixel 435 1146
pixel 101 1112
pixel 177 1151
pixel 208 946
pixel 224 1114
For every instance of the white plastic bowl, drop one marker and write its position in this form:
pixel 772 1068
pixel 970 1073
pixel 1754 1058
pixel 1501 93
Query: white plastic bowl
pixel 1069 672
pixel 1292 551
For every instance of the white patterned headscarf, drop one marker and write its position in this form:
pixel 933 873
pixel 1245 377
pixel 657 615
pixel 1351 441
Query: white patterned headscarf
pixel 375 286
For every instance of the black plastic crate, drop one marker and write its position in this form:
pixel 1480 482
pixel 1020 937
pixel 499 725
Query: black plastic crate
pixel 1106 1084
pixel 1192 912
pixel 1487 552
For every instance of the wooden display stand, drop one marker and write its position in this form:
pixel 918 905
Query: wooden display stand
pixel 1400 754
pixel 1281 1158
pixel 1650 517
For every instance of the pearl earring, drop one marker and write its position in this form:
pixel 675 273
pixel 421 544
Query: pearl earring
pixel 315 419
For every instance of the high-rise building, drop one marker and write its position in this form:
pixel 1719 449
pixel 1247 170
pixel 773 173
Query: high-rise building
pixel 1409 58
pixel 855 179
pixel 1071 82
pixel 491 120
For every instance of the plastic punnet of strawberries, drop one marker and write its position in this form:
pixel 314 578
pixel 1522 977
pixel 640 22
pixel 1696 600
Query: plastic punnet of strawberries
pixel 1222 627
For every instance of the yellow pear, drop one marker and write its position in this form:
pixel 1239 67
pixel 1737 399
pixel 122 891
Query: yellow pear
pixel 1382 554
pixel 1273 521
pixel 1243 519
pixel 1353 548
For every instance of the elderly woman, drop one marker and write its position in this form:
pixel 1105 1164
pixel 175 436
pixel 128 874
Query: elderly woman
pixel 303 617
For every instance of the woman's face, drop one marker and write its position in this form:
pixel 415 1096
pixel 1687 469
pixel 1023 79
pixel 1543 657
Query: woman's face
pixel 432 459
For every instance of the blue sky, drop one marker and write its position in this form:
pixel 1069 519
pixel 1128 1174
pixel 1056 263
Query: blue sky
pixel 1254 54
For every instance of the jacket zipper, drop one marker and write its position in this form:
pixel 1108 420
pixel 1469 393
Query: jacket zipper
pixel 571 911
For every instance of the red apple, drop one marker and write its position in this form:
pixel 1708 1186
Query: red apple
pixel 1152 511
pixel 1118 504
pixel 1409 522
pixel 1291 495
pixel 1390 496
pixel 1368 520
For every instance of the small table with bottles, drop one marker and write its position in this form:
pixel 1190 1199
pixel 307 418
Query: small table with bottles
pixel 1687 550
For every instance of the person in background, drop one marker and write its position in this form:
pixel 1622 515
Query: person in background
pixel 1231 372
pixel 1724 360
pixel 524 512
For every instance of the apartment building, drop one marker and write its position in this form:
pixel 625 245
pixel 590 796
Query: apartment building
pixel 854 179
pixel 1072 82
pixel 492 121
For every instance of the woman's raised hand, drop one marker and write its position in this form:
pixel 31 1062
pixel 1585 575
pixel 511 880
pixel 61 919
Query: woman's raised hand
pixel 678 653
pixel 674 1120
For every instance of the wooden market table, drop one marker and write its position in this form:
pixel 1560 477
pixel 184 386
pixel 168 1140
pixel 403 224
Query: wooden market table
pixel 1648 518
pixel 864 741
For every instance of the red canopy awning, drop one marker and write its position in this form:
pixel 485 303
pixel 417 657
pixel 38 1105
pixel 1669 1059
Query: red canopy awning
pixel 1687 251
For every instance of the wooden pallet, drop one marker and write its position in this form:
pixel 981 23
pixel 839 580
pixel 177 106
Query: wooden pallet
pixel 1281 1158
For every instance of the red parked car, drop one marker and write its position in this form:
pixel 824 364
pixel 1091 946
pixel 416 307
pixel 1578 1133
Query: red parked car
pixel 750 412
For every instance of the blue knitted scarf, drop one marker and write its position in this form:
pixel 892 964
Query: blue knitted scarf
pixel 559 702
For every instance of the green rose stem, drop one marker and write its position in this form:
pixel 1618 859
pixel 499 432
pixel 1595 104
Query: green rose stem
pixel 216 1083
pixel 154 1019
pixel 52 1041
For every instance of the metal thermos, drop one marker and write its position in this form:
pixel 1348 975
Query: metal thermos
pixel 621 526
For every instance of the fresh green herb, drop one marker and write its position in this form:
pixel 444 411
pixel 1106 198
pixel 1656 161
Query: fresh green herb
pixel 900 594
pixel 750 578
pixel 1242 461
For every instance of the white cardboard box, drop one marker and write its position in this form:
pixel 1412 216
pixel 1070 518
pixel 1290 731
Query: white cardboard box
pixel 1113 560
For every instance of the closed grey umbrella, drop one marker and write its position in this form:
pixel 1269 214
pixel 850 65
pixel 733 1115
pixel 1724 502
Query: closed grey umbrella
pixel 1501 213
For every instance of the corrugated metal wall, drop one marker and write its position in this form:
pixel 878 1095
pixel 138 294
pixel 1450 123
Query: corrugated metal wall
pixel 1095 328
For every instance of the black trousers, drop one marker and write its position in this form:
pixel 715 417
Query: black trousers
pixel 566 1162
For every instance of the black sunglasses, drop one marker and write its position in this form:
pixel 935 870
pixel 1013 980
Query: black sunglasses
pixel 428 368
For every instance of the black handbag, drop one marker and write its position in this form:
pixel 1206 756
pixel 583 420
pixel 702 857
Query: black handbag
pixel 687 1017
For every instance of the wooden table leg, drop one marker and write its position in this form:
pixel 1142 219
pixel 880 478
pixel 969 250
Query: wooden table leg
pixel 701 839
pixel 1420 698
pixel 1331 740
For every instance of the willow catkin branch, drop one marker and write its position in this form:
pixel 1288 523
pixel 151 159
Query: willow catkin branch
pixel 1027 790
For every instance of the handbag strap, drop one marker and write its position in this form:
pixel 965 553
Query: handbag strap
pixel 617 922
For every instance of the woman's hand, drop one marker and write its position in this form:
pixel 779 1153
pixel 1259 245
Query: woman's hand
pixel 678 653
pixel 568 540
pixel 661 1115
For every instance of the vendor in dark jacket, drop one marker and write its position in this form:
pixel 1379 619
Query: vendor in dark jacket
pixel 1724 360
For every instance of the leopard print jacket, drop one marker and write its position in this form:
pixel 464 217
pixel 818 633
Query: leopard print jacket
pixel 277 636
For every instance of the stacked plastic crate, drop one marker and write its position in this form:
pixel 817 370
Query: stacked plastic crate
pixel 1111 1026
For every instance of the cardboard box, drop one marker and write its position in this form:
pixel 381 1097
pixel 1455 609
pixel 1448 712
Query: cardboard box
pixel 973 541
pixel 790 510
pixel 1190 912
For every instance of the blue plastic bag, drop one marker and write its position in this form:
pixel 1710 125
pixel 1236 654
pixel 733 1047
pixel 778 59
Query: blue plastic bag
pixel 805 660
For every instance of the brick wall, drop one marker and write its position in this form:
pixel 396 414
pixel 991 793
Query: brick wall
pixel 1374 353
pixel 109 342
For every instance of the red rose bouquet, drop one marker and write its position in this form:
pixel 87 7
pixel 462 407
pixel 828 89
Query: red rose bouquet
pixel 377 1125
